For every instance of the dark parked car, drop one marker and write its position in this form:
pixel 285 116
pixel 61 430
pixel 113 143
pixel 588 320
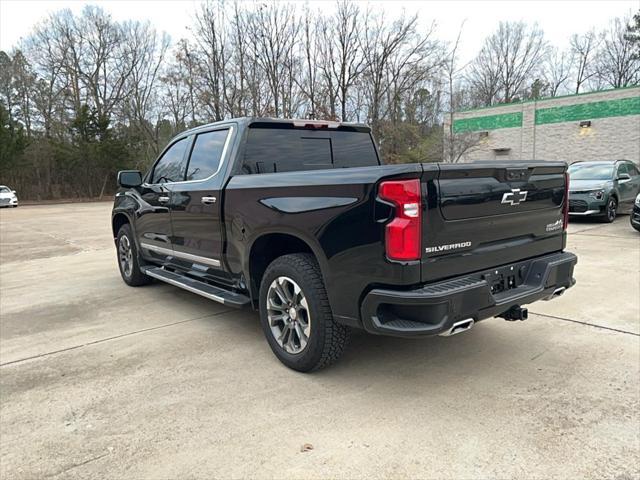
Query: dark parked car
pixel 603 189
pixel 301 221
pixel 635 215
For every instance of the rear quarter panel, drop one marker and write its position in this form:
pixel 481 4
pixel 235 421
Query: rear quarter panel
pixel 334 212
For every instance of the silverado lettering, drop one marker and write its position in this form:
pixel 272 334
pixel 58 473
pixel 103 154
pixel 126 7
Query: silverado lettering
pixel 451 246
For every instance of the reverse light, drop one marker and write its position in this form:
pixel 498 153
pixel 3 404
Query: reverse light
pixel 403 233
pixel 565 207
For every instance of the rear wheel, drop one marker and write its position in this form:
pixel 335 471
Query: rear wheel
pixel 296 316
pixel 128 261
pixel 611 210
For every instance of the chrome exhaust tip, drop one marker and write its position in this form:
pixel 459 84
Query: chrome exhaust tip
pixel 556 293
pixel 459 327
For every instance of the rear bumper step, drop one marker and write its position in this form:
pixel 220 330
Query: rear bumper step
pixel 206 290
pixel 446 307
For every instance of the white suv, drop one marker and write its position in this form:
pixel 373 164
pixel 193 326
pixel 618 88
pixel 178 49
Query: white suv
pixel 8 197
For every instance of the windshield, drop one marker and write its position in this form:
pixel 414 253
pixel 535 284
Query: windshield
pixel 585 171
pixel 4 190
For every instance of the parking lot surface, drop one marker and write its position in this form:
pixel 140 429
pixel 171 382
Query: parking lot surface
pixel 101 380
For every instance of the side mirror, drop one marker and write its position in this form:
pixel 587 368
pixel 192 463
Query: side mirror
pixel 14 192
pixel 624 177
pixel 129 178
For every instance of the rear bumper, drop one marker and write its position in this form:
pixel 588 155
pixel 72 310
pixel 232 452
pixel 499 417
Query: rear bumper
pixel 434 308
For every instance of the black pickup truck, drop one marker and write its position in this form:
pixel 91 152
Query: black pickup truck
pixel 302 221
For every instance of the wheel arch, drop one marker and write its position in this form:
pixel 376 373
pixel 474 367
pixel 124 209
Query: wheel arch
pixel 117 221
pixel 269 246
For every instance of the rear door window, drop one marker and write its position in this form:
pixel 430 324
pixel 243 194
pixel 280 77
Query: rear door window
pixel 206 154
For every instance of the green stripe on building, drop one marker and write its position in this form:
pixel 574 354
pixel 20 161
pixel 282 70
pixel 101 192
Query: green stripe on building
pixel 488 122
pixel 588 111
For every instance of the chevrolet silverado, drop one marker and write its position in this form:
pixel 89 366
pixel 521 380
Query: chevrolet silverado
pixel 301 221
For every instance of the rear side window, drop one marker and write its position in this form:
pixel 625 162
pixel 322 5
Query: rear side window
pixel 633 170
pixel 354 149
pixel 170 168
pixel 271 150
pixel 206 154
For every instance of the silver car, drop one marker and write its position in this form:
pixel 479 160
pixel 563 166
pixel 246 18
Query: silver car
pixel 8 197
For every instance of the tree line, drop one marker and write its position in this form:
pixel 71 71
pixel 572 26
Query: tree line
pixel 84 95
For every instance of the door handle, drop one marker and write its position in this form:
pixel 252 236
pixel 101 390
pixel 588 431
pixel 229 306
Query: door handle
pixel 208 200
pixel 163 199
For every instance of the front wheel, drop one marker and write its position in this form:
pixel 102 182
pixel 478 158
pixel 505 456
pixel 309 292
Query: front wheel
pixel 128 260
pixel 296 316
pixel 611 210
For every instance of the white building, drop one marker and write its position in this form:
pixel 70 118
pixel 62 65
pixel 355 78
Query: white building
pixel 602 125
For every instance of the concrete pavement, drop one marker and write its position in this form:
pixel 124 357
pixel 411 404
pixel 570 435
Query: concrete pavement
pixel 101 380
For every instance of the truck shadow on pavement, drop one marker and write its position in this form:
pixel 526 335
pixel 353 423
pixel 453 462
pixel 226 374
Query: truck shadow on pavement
pixel 490 344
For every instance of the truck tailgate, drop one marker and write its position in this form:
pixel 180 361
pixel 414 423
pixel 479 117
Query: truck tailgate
pixel 482 215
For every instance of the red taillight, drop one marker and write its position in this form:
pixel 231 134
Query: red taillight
pixel 565 207
pixel 403 233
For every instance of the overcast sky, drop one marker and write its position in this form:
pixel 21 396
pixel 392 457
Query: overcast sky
pixel 558 19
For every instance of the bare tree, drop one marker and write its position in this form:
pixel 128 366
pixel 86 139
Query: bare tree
pixel 23 83
pixel 508 61
pixel 6 83
pixel 342 58
pixel 456 144
pixel 276 28
pixel 211 38
pixel 617 64
pixel 583 49
pixel 396 59
pixel 557 70
pixel 451 70
pixel 177 91
pixel 483 78
pixel 238 83
pixel 146 52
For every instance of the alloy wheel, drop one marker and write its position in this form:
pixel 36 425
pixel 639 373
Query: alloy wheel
pixel 125 255
pixel 288 315
pixel 611 209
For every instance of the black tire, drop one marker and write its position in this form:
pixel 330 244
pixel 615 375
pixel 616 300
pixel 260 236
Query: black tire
pixel 611 210
pixel 131 275
pixel 327 338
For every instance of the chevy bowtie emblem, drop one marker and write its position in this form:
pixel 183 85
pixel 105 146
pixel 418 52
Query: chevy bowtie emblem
pixel 514 197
